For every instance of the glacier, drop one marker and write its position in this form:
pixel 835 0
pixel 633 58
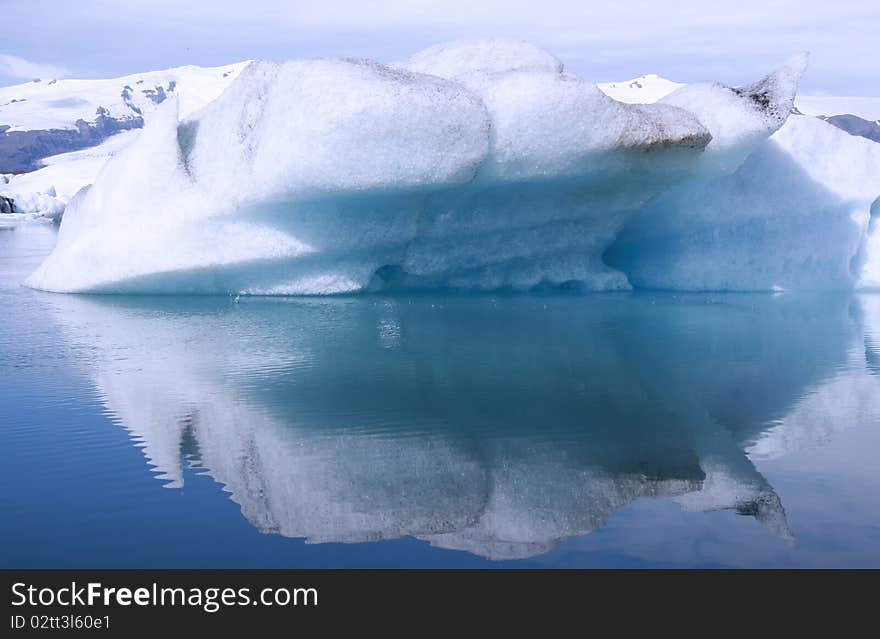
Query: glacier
pixel 474 165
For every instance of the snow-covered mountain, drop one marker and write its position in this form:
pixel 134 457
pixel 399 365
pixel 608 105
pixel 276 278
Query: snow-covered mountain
pixel 44 193
pixel 47 116
pixel 867 108
pixel 644 89
pixel 854 125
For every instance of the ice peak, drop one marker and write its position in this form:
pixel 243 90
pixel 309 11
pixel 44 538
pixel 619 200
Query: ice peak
pixel 774 93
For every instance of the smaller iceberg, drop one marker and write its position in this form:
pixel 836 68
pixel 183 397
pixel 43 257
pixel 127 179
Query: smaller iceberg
pixel 796 215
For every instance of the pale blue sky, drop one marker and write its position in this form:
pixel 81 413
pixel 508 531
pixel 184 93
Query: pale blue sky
pixel 733 42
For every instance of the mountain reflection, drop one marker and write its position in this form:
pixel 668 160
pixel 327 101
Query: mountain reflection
pixel 498 426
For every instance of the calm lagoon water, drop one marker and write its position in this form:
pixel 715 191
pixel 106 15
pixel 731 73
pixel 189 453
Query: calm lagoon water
pixel 622 430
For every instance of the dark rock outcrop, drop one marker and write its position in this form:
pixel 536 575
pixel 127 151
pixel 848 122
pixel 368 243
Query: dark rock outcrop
pixel 854 125
pixel 7 204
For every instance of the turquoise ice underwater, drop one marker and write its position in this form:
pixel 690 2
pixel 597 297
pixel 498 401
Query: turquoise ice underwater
pixel 620 429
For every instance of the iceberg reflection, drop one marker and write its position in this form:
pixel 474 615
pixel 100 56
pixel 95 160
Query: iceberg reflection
pixel 498 426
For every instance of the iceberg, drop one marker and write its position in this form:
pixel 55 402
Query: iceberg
pixel 476 165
